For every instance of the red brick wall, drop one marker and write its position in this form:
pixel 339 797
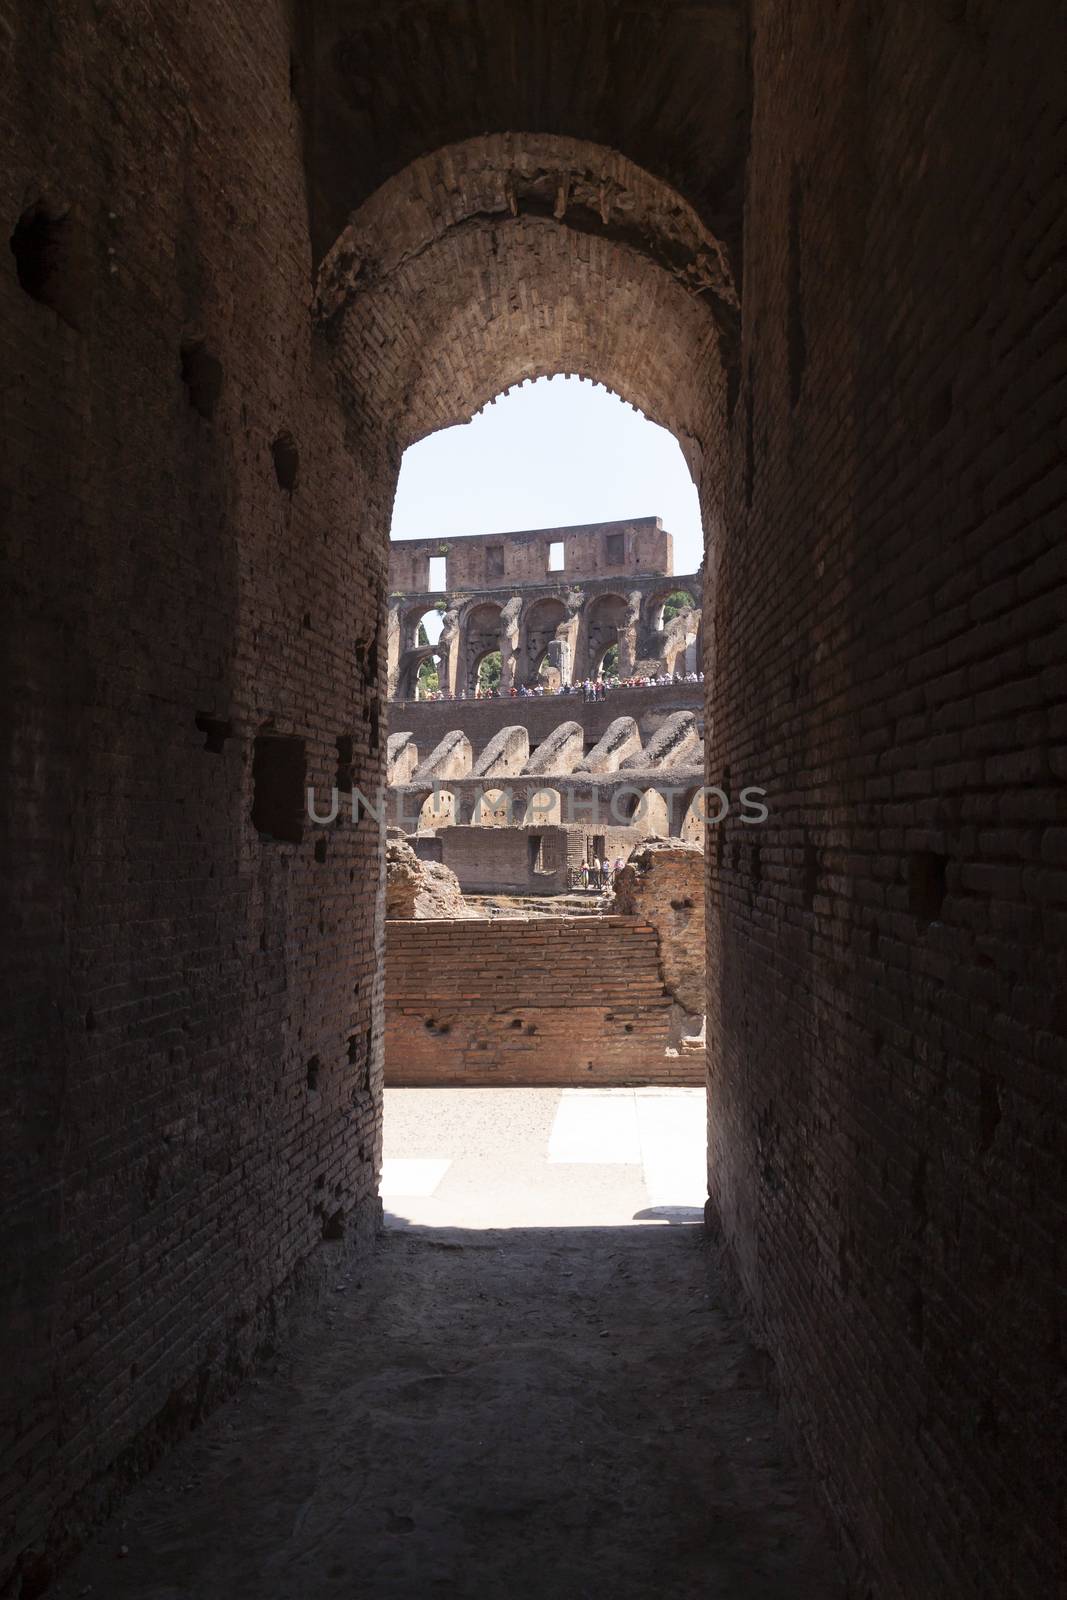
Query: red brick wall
pixel 565 1000
pixel 891 586
pixel 174 986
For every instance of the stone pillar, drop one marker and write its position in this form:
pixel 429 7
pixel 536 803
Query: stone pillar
pixel 576 632
pixel 451 658
pixel 394 645
pixel 512 654
pixel 628 635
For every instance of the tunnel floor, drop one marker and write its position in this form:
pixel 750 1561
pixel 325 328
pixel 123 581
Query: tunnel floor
pixel 538 1413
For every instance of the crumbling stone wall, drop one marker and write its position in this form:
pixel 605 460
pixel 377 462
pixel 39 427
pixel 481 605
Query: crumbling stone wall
pixel 418 888
pixel 545 1000
pixel 663 884
pixel 886 1023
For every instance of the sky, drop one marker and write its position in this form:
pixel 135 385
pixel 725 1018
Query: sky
pixel 551 453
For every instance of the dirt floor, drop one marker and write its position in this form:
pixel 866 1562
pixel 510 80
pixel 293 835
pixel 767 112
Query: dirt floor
pixel 530 1414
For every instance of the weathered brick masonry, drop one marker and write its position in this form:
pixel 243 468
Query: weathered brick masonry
pixel 567 1000
pixel 886 1013
pixel 202 436
pixel 191 1056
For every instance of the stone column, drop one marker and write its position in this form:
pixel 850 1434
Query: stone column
pixel 512 655
pixel 394 644
pixel 451 657
pixel 628 635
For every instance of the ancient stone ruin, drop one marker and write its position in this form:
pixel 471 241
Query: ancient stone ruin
pixel 255 251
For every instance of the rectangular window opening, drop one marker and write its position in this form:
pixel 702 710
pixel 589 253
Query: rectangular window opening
pixel 555 556
pixel 278 767
pixel 437 579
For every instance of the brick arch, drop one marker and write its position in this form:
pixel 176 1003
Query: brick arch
pixel 604 623
pixel 653 602
pixel 539 624
pixel 410 663
pixel 481 628
pixel 455 70
pixel 632 289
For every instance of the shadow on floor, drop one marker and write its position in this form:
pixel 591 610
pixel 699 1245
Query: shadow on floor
pixel 529 1414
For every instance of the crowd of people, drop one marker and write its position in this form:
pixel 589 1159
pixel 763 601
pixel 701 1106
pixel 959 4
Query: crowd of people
pixel 588 688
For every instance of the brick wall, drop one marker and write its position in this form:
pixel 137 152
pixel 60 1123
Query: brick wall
pixel 645 545
pixel 490 859
pixel 191 1043
pixel 542 1000
pixel 886 1016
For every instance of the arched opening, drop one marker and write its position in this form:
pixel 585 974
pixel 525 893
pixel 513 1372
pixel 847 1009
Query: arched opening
pixel 421 675
pixel 438 810
pixel 547 654
pixel 409 275
pixel 487 673
pixel 480 634
pixel 606 621
pixel 495 808
pixel 543 808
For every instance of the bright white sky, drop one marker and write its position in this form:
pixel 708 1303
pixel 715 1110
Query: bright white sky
pixel 549 454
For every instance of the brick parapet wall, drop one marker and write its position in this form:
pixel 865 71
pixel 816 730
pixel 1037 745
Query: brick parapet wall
pixel 568 1000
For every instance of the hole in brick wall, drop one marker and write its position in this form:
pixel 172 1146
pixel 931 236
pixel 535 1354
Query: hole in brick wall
pixel 216 730
pixel 278 769
pixel 43 244
pixel 320 851
pixel 353 1049
pixel 286 461
pixel 437 578
pixel 555 556
pixel 941 409
pixel 314 1069
pixel 345 758
pixel 926 885
pixel 334 1226
pixel 517 1022
pixel 627 1027
pixel 305 621
pixel 201 374
pixel 375 724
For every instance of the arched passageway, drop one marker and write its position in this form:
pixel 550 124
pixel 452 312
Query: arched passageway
pixel 199 478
